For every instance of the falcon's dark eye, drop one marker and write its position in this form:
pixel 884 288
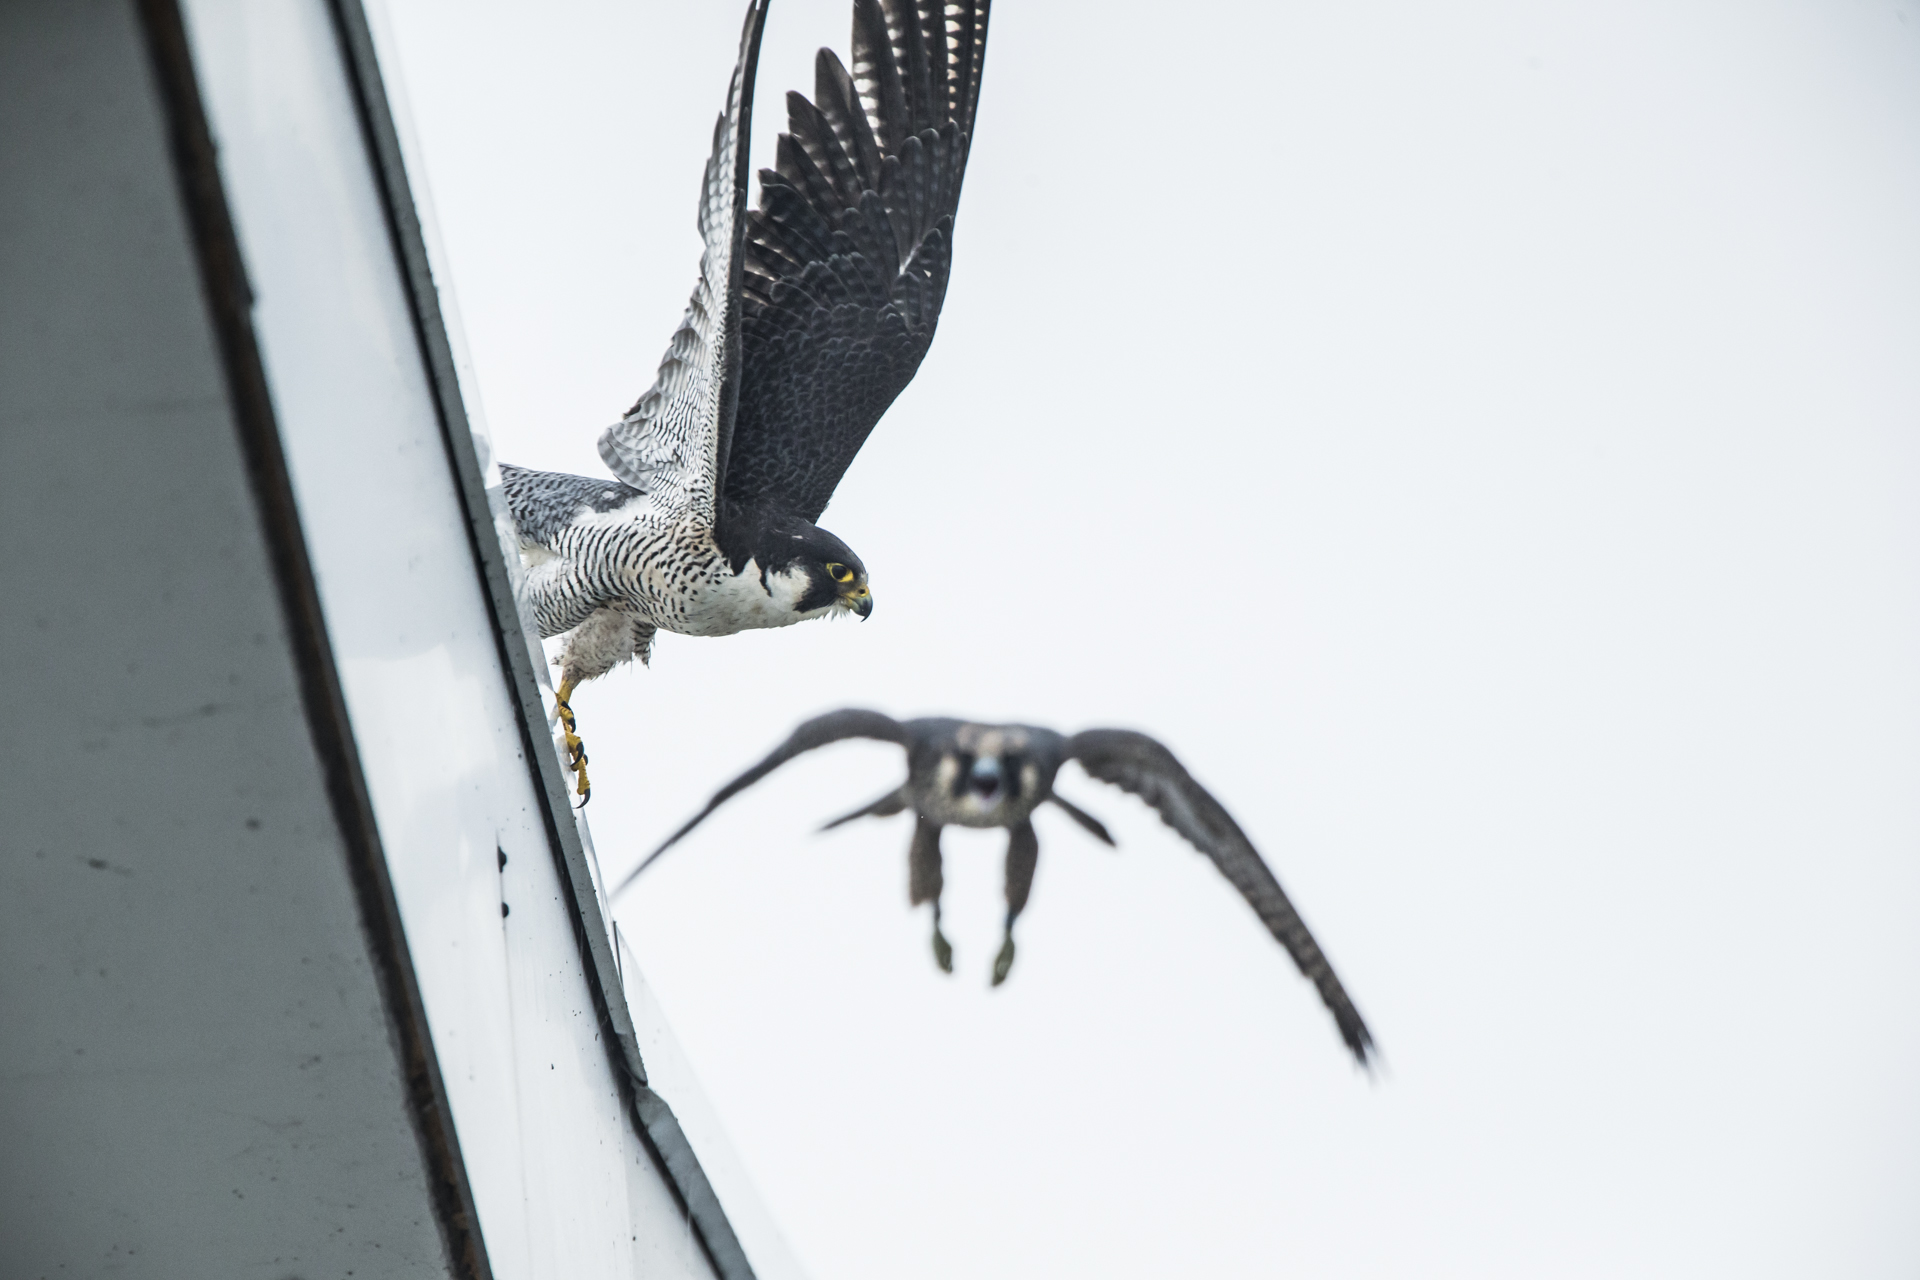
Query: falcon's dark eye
pixel 839 573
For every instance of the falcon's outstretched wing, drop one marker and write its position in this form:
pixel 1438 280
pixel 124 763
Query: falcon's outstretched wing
pixel 821 731
pixel 848 254
pixel 1136 763
pixel 672 444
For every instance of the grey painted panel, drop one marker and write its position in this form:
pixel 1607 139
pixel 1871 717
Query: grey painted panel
pixel 197 1075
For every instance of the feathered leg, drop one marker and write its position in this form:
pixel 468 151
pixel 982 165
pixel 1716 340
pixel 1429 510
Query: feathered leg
pixel 1023 854
pixel 924 883
pixel 611 635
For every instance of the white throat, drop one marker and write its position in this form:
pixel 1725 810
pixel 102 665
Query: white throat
pixel 739 602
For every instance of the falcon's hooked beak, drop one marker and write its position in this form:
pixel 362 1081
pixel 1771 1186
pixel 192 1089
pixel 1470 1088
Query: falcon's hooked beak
pixel 859 600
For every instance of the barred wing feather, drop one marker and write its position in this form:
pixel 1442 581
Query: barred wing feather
pixel 672 444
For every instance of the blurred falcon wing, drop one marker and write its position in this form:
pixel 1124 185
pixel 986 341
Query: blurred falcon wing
pixel 1134 762
pixel 821 731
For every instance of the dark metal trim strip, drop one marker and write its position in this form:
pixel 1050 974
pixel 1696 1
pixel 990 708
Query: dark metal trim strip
pixel 229 300
pixel 654 1121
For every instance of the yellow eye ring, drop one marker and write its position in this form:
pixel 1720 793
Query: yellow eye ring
pixel 839 573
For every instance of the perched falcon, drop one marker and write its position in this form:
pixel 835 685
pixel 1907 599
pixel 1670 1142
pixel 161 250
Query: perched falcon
pixel 810 314
pixel 979 775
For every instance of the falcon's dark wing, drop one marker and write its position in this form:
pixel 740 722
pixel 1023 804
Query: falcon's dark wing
pixel 847 256
pixel 834 726
pixel 1137 763
pixel 672 445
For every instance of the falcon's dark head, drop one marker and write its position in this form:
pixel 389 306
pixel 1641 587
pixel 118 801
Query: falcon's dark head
pixel 821 569
pixel 988 776
pixel 838 579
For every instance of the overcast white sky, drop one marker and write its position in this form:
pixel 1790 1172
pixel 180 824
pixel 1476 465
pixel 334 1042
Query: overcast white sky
pixel 1483 440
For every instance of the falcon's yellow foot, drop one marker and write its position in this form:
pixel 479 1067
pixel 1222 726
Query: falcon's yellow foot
pixel 1003 962
pixel 578 759
pixel 576 749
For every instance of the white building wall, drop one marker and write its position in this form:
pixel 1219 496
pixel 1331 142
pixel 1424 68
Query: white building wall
pixel 563 1184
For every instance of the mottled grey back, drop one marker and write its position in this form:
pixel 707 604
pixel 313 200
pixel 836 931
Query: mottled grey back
pixel 543 503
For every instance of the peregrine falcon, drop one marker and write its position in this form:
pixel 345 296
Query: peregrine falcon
pixel 978 775
pixel 810 314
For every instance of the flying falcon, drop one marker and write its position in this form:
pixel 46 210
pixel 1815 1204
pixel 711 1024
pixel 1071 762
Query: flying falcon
pixel 810 314
pixel 978 775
